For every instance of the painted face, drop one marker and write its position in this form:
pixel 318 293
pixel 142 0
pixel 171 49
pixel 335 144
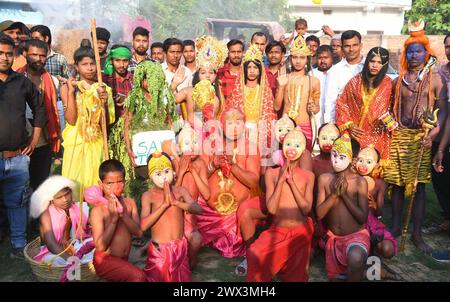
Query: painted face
pixel 293 145
pixel 415 54
pixel 340 161
pixel 159 177
pixel 113 183
pixel 282 127
pixel 367 161
pixel 328 134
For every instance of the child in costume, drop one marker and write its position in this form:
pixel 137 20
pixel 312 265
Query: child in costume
pixel 62 230
pixel 163 210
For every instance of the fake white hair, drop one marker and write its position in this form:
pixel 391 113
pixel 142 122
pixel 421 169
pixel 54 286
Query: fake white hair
pixel 47 190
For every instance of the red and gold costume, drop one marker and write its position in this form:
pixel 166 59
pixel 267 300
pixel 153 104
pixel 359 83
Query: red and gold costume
pixel 256 102
pixel 364 108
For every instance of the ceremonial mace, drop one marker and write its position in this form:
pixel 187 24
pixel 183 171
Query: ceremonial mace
pixel 429 121
pixel 100 83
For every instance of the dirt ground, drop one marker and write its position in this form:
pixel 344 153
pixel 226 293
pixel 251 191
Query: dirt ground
pixel 413 266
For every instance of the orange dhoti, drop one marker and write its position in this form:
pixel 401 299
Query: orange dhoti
pixel 220 231
pixel 337 248
pixel 116 269
pixel 168 262
pixel 282 251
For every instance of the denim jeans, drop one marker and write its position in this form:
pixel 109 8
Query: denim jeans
pixel 14 188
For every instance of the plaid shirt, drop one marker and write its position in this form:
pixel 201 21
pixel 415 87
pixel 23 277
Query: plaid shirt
pixel 57 65
pixel 119 86
pixel 227 81
pixel 134 63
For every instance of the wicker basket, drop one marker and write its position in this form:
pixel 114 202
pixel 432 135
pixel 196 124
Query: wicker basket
pixel 46 273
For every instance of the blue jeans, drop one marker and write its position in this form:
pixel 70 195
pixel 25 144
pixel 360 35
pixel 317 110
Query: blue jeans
pixel 14 189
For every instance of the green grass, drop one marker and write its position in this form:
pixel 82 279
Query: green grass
pixel 412 265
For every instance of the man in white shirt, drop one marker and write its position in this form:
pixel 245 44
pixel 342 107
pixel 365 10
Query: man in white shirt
pixel 172 68
pixel 342 72
pixel 324 63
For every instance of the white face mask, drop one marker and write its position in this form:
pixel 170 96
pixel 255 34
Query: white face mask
pixel 282 127
pixel 293 148
pixel 340 162
pixel 326 138
pixel 160 177
pixel 367 161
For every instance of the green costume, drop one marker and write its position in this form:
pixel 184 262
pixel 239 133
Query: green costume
pixel 148 115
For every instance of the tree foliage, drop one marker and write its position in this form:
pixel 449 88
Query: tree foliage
pixel 186 19
pixel 435 13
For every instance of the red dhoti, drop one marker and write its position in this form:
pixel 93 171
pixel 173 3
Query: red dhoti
pixel 337 248
pixel 116 269
pixel 282 251
pixel 168 262
pixel 308 133
pixel 220 231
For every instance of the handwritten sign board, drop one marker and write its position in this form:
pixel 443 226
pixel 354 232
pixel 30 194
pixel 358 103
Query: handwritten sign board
pixel 146 143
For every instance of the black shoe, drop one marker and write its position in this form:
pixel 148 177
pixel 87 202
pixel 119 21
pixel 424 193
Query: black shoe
pixel 17 253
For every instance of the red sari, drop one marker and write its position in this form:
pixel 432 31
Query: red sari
pixel 350 107
pixel 267 114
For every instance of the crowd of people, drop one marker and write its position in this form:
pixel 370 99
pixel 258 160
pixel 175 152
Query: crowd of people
pixel 280 150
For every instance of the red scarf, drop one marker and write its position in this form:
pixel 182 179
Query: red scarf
pixel 48 89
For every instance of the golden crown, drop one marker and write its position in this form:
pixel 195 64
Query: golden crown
pixel 210 52
pixel 253 54
pixel 299 47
